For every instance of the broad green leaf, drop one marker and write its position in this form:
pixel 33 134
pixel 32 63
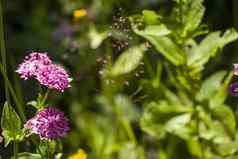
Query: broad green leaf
pixel 221 94
pixel 210 128
pixel 155 34
pixel 128 61
pixel 159 117
pixel 11 124
pixel 193 15
pixel 226 116
pixel 208 48
pixel 210 86
pixel 178 125
pixel 226 149
pixel 153 30
pixel 194 147
pixel 150 17
pixel 167 47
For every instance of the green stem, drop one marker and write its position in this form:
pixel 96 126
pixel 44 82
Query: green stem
pixel 48 150
pixel 38 149
pixel 45 97
pixel 126 124
pixel 15 149
pixel 3 51
pixel 19 106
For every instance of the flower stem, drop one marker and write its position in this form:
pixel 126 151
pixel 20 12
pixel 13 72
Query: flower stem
pixel 19 106
pixel 15 149
pixel 3 51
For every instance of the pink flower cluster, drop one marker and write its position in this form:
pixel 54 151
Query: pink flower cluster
pixel 49 123
pixel 39 66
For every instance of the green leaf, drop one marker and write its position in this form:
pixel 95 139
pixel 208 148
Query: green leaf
pixel 150 17
pixel 226 116
pixel 210 128
pixel 167 47
pixel 194 147
pixel 96 38
pixel 27 155
pixel 155 34
pixel 221 94
pixel 161 118
pixel 126 108
pixel 153 30
pixel 128 61
pixel 210 86
pixel 201 54
pixel 130 151
pixel 178 125
pixel 193 15
pixel 11 124
pixel 226 149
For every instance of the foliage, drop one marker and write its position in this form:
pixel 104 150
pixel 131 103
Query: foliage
pixel 145 86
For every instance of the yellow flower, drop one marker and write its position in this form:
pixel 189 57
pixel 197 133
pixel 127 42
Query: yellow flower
pixel 79 155
pixel 79 13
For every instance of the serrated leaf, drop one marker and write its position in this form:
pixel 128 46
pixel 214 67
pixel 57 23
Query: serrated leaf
pixel 128 61
pixel 208 48
pixel 11 124
pixel 210 86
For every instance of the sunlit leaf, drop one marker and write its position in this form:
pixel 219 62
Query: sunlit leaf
pixel 208 48
pixel 210 86
pixel 128 61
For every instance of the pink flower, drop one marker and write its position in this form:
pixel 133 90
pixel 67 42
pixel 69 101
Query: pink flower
pixel 236 69
pixel 49 123
pixel 39 66
pixel 54 76
pixel 32 64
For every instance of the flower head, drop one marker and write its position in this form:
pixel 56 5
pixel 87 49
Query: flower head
pixel 32 63
pixel 49 123
pixel 39 66
pixel 79 13
pixel 54 76
pixel 233 89
pixel 79 155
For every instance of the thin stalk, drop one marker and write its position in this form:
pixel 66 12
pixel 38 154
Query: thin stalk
pixel 15 149
pixel 19 107
pixel 45 96
pixel 37 147
pixel 48 149
pixel 126 124
pixel 3 51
